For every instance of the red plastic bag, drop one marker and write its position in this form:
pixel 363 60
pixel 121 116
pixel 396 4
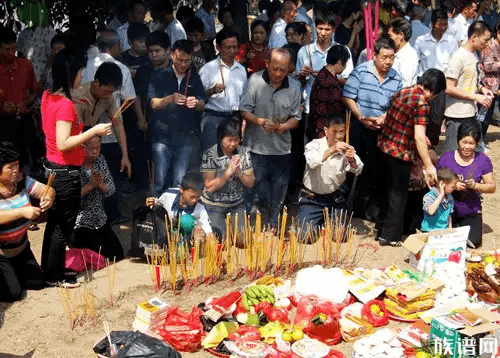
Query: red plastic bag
pixel 245 334
pixel 183 330
pixel 378 316
pixel 305 307
pixel 79 260
pixel 324 324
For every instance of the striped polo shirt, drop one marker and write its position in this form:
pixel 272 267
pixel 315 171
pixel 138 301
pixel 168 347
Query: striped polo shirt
pixel 372 97
pixel 13 237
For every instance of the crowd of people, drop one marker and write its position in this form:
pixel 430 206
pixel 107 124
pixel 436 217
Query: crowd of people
pixel 287 107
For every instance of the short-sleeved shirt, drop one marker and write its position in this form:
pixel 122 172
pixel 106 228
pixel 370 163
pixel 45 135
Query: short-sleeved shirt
pixel 215 161
pixel 17 81
pixel 234 79
pixel 278 105
pixel 58 108
pixel 397 136
pixel 90 113
pixel 202 56
pixel 92 214
pixel 463 68
pixel 277 37
pixel 372 97
pixel 13 235
pixel 406 63
pixel 172 124
pixel 175 32
pixel 434 54
pixel 467 202
pixel 133 62
pixel 311 55
pixel 208 20
pixel 438 221
pixel 258 61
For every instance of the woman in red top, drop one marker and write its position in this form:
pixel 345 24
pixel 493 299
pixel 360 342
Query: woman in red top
pixel 64 144
pixel 255 53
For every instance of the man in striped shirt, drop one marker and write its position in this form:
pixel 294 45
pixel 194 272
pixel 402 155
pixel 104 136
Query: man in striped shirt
pixel 367 94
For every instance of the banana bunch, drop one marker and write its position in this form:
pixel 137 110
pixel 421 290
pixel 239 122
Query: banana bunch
pixel 257 293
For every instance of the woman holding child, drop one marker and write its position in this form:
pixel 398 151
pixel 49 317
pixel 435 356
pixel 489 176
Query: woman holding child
pixel 475 177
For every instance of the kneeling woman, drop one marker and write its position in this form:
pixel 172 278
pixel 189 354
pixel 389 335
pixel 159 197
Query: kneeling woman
pixel 92 231
pixel 18 267
pixel 227 171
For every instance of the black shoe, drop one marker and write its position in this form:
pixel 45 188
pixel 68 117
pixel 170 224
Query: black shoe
pixel 384 242
pixel 68 282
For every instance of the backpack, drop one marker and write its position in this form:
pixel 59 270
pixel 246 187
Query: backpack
pixel 148 227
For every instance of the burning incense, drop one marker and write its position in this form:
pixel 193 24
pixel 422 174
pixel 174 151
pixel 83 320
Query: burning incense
pixel 188 76
pixel 126 104
pixel 347 126
pixel 222 76
pixel 52 175
pixel 111 270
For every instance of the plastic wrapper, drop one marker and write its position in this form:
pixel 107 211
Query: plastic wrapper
pixel 183 330
pixel 353 328
pixel 245 334
pixel 374 311
pixel 311 281
pixel 135 344
pixel 218 333
pixel 324 324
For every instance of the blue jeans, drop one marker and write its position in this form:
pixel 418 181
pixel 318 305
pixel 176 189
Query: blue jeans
pixel 168 157
pixel 271 183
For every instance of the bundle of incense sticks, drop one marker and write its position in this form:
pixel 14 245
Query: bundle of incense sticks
pixel 222 76
pixel 188 76
pixel 126 104
pixel 347 126
pixel 52 175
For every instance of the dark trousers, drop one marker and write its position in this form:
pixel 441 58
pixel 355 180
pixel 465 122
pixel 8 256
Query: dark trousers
pixel 436 117
pixel 19 273
pixel 298 159
pixel 365 142
pixel 20 131
pixel 312 208
pixel 102 240
pixel 217 215
pixel 271 183
pixel 209 126
pixel 395 179
pixel 475 221
pixel 113 156
pixel 138 149
pixel 61 221
pixel 489 116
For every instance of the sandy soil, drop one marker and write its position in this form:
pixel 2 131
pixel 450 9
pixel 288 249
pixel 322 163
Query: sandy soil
pixel 37 326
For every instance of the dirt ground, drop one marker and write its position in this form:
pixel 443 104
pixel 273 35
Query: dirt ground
pixel 37 326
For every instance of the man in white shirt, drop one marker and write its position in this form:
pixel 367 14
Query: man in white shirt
pixel 463 20
pixel 434 50
pixel 288 11
pixel 328 159
pixel 115 144
pixel 417 27
pixel 303 17
pixel 164 20
pixel 312 58
pixel 405 59
pixel 224 80
pixel 462 92
pixel 137 13
pixel 205 14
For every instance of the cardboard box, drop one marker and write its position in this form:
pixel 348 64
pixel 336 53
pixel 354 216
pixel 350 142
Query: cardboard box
pixel 443 329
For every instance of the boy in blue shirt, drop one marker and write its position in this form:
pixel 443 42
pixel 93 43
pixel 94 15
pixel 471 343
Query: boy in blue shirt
pixel 438 203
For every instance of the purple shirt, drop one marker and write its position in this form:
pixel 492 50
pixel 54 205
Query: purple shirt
pixel 467 202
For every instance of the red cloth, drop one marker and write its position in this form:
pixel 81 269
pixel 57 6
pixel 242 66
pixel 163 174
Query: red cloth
pixel 397 136
pixel 79 260
pixel 58 108
pixel 258 62
pixel 326 100
pixel 17 81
